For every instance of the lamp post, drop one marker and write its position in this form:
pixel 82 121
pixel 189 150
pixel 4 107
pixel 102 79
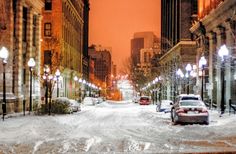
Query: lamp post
pixel 179 74
pixel 4 55
pixel 57 76
pixel 45 77
pixel 106 85
pixel 188 69
pixel 75 79
pixel 223 52
pixel 202 64
pixel 31 64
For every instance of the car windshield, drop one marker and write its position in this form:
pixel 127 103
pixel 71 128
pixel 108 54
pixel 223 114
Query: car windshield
pixel 191 103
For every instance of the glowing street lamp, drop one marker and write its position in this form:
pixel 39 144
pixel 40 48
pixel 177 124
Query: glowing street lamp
pixel 4 55
pixel 202 64
pixel 188 69
pixel 31 64
pixel 223 53
pixel 58 73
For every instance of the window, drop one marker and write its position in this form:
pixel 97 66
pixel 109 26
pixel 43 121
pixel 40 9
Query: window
pixel 47 57
pixel 34 29
pixel 48 4
pixel 47 29
pixel 24 26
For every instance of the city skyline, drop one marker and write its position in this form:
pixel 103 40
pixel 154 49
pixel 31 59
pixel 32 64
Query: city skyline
pixel 113 24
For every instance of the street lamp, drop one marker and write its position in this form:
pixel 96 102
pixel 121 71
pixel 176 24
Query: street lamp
pixel 179 74
pixel 188 69
pixel 58 76
pixel 31 64
pixel 4 55
pixel 202 64
pixel 45 77
pixel 75 79
pixel 223 52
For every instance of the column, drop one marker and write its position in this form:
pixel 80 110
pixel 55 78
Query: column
pixel 18 47
pixel 228 73
pixel 220 32
pixel 210 63
pixel 38 53
pixel 29 45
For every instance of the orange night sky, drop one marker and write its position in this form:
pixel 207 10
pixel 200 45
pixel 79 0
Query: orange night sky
pixel 113 23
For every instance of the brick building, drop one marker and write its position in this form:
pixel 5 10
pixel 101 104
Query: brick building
pixel 20 30
pixel 62 45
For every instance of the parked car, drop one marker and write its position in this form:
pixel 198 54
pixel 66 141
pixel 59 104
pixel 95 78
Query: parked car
pixel 136 99
pixel 144 100
pixel 189 111
pixel 164 106
pixel 188 97
pixel 89 101
pixel 100 100
pixel 75 106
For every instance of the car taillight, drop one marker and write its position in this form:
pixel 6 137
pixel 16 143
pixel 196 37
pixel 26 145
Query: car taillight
pixel 180 111
pixel 204 111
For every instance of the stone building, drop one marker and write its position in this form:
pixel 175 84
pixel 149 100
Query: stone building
pixel 62 44
pixel 20 30
pixel 177 44
pixel 215 27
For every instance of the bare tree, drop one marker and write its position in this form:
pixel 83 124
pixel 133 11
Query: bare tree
pixel 126 66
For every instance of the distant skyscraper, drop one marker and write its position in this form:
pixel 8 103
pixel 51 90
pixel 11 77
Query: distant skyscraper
pixel 102 63
pixel 141 40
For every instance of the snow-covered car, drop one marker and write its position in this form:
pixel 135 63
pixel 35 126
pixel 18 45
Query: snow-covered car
pixel 75 106
pixel 100 99
pixel 164 106
pixel 188 97
pixel 190 111
pixel 144 100
pixel 90 101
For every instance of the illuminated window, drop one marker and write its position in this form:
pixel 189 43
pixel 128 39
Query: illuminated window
pixel 47 29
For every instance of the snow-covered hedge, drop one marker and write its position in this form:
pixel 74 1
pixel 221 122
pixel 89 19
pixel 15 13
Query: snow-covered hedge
pixel 59 105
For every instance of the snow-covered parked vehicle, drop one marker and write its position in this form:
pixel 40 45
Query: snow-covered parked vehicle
pixel 189 111
pixel 90 101
pixel 75 106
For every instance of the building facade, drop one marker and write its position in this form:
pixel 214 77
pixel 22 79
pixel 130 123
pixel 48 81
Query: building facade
pixel 102 65
pixel 177 45
pixel 85 40
pixel 20 33
pixel 62 44
pixel 216 26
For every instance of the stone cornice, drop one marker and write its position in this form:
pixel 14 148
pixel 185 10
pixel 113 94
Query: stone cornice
pixel 219 15
pixel 179 45
pixel 36 5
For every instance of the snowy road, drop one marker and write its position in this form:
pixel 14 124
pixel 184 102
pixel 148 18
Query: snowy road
pixel 115 127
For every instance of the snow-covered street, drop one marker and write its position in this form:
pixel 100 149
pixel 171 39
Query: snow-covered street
pixel 115 127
